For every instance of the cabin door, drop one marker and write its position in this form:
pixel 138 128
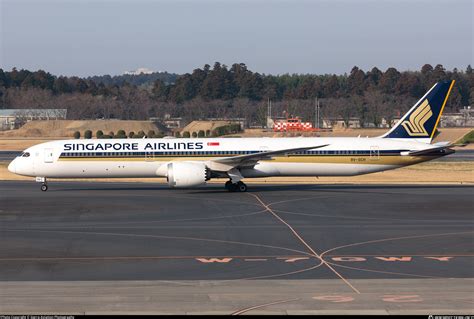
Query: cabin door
pixel 374 153
pixel 48 155
pixel 149 156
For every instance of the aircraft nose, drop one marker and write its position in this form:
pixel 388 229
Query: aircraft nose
pixel 11 167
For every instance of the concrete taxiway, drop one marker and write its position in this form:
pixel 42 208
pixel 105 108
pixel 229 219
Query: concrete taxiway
pixel 139 248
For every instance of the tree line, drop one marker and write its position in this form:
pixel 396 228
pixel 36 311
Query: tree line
pixel 237 81
pixel 234 91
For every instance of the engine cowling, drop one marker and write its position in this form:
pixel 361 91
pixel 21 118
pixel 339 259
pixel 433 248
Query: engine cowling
pixel 187 174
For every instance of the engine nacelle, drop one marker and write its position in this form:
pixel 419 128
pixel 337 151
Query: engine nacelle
pixel 187 174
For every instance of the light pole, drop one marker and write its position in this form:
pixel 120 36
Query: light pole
pixel 316 112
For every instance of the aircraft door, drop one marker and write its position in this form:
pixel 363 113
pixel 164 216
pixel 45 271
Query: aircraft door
pixel 374 153
pixel 149 156
pixel 48 155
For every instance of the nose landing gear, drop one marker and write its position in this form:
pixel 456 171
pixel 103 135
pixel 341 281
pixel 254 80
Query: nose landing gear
pixel 236 187
pixel 44 185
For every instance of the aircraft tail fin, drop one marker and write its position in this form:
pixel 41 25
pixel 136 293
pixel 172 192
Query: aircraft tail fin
pixel 420 122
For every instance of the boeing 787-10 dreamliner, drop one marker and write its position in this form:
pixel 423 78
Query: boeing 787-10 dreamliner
pixel 192 162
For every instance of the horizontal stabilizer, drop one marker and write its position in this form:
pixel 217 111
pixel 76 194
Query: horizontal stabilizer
pixel 428 151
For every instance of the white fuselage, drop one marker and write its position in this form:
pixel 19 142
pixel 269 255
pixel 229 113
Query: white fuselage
pixel 108 158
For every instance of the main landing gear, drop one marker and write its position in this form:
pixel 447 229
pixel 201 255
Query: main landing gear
pixel 235 184
pixel 236 187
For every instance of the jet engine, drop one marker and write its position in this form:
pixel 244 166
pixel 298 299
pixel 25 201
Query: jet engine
pixel 187 174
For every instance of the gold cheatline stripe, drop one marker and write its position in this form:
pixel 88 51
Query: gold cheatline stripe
pixel 442 108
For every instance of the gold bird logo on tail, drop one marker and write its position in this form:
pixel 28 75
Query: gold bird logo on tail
pixel 415 125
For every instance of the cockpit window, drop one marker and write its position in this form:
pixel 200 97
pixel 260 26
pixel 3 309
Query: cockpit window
pixel 25 154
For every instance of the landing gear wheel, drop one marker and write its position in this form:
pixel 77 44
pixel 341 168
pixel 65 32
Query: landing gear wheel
pixel 44 187
pixel 242 187
pixel 233 188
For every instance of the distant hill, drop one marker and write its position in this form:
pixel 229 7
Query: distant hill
pixel 135 79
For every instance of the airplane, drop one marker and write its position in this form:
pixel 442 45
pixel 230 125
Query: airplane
pixel 191 162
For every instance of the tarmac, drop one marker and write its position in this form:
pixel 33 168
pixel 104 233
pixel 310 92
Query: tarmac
pixel 105 248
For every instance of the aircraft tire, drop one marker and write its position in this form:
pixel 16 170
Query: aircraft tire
pixel 242 187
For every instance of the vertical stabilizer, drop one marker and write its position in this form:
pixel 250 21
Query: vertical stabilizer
pixel 421 121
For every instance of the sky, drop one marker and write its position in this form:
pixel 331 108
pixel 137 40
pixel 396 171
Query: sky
pixel 85 38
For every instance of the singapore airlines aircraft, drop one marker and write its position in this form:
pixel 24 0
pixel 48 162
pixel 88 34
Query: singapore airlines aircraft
pixel 192 162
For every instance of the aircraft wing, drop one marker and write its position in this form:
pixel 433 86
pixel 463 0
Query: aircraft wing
pixel 251 159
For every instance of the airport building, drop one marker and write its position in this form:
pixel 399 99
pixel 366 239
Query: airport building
pixel 14 118
pixel 463 118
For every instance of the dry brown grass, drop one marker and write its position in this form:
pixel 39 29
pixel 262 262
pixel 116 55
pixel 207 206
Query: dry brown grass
pixel 446 134
pixel 427 173
pixel 19 144
pixel 196 126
